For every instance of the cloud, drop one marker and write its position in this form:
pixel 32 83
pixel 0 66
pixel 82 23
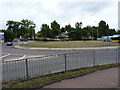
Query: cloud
pixel 63 11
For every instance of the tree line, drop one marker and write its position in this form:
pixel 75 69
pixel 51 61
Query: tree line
pixel 78 32
pixel 26 29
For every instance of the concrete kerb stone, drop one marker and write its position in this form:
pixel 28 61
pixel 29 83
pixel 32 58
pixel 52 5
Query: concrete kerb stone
pixel 90 48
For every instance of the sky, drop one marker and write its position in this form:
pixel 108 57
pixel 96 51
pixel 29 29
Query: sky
pixel 63 11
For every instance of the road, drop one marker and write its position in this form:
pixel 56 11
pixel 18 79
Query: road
pixel 15 70
pixel 18 53
pixel 9 52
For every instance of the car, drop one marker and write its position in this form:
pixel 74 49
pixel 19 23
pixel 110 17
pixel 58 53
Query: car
pixel 57 39
pixel 9 43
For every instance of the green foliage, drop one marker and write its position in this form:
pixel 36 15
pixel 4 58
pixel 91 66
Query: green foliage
pixel 89 31
pixel 9 36
pixel 118 32
pixel 45 31
pixel 55 29
pixel 103 28
pixel 14 27
pixel 111 32
pixel 28 28
pixel 25 28
pixel 71 31
pixel 86 31
pixel 78 32
pixel 62 29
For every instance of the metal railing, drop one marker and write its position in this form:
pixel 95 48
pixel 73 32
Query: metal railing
pixel 28 68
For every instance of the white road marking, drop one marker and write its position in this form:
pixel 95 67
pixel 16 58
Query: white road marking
pixel 5 56
pixel 23 57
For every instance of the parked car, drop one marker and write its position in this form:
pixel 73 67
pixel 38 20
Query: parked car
pixel 99 39
pixel 57 39
pixel 106 38
pixel 9 43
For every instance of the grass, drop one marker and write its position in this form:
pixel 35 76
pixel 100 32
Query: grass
pixel 69 44
pixel 42 81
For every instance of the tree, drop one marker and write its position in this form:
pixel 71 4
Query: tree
pixel 27 28
pixel 14 27
pixel 74 33
pixel 86 31
pixel 103 28
pixel 55 29
pixel 45 31
pixel 71 31
pixel 95 31
pixel 118 32
pixel 9 36
pixel 78 25
pixel 62 29
pixel 78 30
pixel 111 32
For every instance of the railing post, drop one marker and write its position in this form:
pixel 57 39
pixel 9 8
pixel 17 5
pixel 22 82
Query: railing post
pixel 65 63
pixel 94 58
pixel 116 56
pixel 27 75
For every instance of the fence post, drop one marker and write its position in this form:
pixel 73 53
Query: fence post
pixel 116 56
pixel 94 58
pixel 26 62
pixel 65 63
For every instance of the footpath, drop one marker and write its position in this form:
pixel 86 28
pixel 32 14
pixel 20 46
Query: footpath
pixel 100 79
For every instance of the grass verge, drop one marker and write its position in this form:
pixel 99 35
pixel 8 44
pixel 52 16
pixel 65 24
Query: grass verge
pixel 42 81
pixel 69 44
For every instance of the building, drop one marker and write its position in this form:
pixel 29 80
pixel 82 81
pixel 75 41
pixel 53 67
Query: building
pixel 1 36
pixel 63 36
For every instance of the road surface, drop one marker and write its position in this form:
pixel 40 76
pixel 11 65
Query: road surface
pixel 22 69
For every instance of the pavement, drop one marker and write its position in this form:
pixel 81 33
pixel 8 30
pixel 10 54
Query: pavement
pixel 100 79
pixel 87 48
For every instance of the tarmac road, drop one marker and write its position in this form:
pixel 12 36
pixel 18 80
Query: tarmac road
pixel 100 79
pixel 17 69
pixel 18 53
pixel 13 70
pixel 14 53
